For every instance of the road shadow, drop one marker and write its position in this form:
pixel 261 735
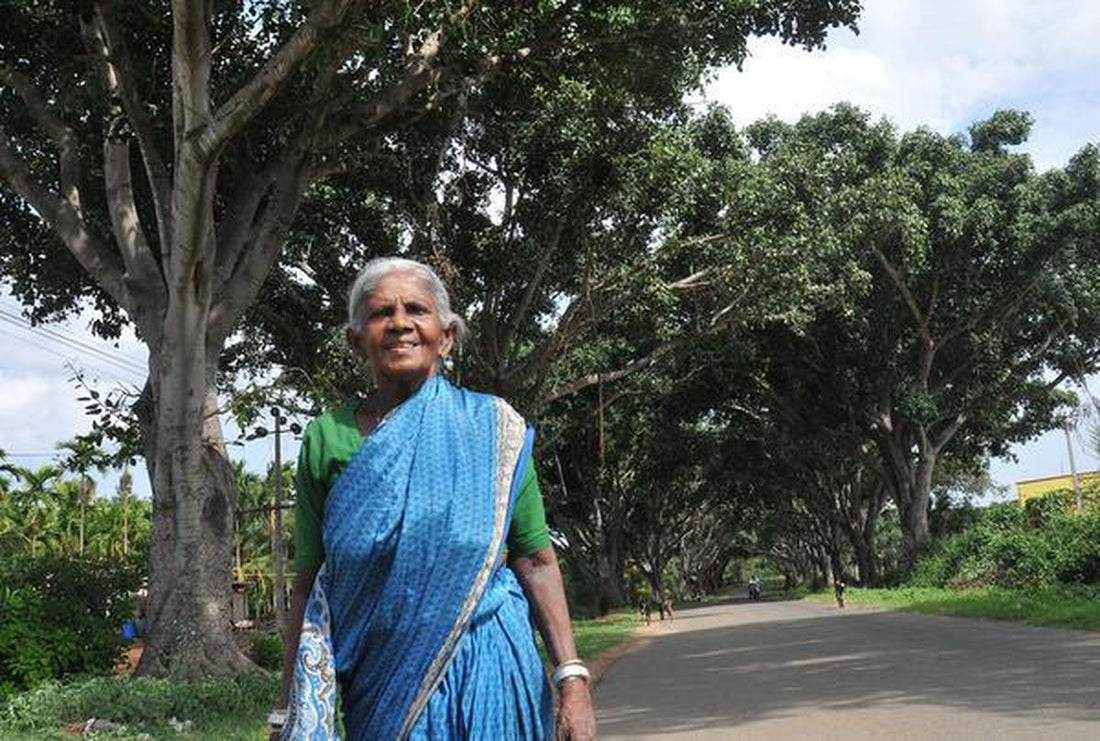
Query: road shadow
pixel 724 677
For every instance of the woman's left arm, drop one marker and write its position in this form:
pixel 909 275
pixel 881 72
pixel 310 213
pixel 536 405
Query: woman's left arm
pixel 540 578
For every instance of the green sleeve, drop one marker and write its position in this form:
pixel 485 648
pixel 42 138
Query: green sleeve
pixel 529 532
pixel 309 500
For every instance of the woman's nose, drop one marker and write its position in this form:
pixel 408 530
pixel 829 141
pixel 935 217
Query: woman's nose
pixel 399 320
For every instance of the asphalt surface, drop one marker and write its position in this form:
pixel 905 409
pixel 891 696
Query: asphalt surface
pixel 793 670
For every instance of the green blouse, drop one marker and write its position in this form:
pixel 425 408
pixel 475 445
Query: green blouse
pixel 330 441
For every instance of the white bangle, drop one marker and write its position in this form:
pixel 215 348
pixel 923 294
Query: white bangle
pixel 568 670
pixel 277 718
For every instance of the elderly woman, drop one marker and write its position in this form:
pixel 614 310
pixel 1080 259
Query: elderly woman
pixel 422 549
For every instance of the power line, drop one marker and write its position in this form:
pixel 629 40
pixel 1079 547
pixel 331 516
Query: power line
pixel 68 337
pixel 74 346
pixel 112 373
pixel 71 341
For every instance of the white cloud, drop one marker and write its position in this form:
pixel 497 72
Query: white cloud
pixel 943 65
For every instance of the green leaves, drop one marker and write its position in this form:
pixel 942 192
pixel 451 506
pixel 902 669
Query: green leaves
pixel 60 617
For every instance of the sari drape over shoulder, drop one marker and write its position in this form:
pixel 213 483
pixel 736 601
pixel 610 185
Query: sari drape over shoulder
pixel 413 614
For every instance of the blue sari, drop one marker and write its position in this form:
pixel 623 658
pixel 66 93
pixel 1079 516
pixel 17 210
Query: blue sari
pixel 413 615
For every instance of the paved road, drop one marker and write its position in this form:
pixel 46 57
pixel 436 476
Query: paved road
pixel 791 670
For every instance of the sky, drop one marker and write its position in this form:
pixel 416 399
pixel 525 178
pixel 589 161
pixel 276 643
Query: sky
pixel 929 63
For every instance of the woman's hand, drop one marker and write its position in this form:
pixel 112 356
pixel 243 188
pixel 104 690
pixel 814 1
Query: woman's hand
pixel 576 720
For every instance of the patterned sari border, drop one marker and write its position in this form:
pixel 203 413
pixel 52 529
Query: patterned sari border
pixel 511 442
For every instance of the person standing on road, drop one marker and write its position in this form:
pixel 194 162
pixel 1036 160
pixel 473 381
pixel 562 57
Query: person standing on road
pixel 422 549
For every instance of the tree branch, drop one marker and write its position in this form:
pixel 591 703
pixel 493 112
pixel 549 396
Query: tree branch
pixel 422 71
pixel 191 60
pixel 63 136
pixel 239 222
pixel 634 366
pixel 549 249
pixel 263 251
pixel 63 213
pixel 103 39
pixel 233 115
pixel 66 221
pixel 143 276
pixel 906 294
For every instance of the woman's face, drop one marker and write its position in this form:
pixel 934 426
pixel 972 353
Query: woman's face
pixel 402 337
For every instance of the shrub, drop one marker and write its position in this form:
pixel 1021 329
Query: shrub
pixel 1043 544
pixel 265 649
pixel 60 617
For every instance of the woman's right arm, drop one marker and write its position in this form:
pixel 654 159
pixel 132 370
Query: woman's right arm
pixel 303 584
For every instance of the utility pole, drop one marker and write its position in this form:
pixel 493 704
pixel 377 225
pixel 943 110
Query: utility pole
pixel 277 530
pixel 125 487
pixel 1066 425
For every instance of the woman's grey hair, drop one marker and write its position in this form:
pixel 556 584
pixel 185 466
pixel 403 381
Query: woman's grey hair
pixel 374 271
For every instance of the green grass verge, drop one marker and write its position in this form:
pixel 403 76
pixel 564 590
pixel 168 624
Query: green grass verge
pixel 229 709
pixel 1051 607
pixel 598 635
pixel 232 708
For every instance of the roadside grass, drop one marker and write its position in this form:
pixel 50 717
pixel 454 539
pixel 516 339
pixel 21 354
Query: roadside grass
pixel 1066 608
pixel 232 708
pixel 227 709
pixel 596 636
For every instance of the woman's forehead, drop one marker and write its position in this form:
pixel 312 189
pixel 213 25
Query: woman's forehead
pixel 401 285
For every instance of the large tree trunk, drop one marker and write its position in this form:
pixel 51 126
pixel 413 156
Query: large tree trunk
pixel 194 498
pixel 910 480
pixel 861 536
pixel 913 498
pixel 190 563
pixel 610 567
pixel 866 560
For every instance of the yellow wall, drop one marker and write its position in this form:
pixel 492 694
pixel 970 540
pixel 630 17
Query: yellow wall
pixel 1037 487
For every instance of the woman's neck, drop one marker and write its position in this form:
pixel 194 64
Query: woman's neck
pixel 392 392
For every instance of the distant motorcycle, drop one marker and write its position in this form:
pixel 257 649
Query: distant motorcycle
pixel 755 590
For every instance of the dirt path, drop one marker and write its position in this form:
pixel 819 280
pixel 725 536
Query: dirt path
pixel 793 670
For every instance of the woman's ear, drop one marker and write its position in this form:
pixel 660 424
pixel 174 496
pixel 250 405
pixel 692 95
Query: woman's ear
pixel 447 342
pixel 352 338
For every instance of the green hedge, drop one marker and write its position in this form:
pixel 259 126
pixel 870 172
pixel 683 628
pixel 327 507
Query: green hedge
pixel 1043 544
pixel 61 617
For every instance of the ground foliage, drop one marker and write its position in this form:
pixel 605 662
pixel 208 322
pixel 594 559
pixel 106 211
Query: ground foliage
pixel 215 709
pixel 1043 544
pixel 235 707
pixel 62 616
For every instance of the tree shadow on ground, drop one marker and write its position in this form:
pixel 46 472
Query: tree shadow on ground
pixel 704 677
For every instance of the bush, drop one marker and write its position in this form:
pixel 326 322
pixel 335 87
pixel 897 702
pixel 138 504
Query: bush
pixel 265 649
pixel 138 702
pixel 1043 544
pixel 60 617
